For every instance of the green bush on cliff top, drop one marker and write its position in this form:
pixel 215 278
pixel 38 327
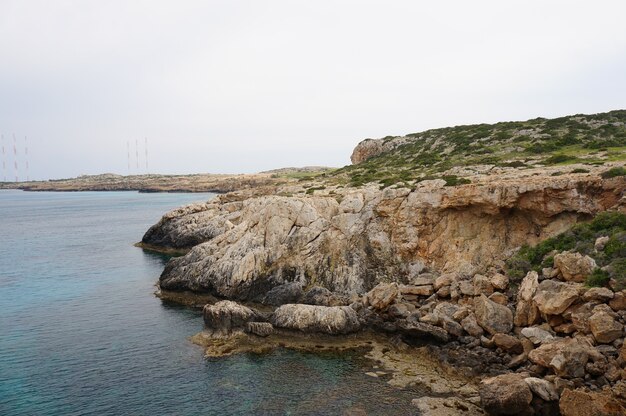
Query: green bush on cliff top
pixel 581 238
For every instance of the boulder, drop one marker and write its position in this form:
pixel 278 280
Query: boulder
pixel 604 328
pixel 381 296
pixel 508 343
pixel 582 403
pixel 424 290
pixel 492 317
pixel 554 297
pixel 566 356
pixel 286 293
pixel 444 280
pixel 599 294
pixel 507 394
pixel 498 297
pixel 574 267
pixel 227 316
pixel 470 326
pixel 526 312
pixel 312 318
pixel 537 335
pixel 421 330
pixel 542 388
pixel 482 285
pixel 499 281
pixel 618 303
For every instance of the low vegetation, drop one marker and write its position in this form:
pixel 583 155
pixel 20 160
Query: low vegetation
pixel 580 238
pixel 590 139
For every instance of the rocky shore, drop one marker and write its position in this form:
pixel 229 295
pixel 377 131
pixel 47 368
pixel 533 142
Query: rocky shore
pixel 417 272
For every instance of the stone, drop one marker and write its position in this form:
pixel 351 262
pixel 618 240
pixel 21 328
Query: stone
pixel 554 297
pixel 507 394
pixel 601 243
pixel 261 329
pixel 579 315
pixel 508 343
pixel 526 312
pixel 444 280
pixel 500 298
pixel 542 388
pixel 499 281
pixel 466 288
pixel 537 335
pixel 422 280
pixel 401 310
pixel 470 326
pixel 574 267
pixel 528 287
pixel 227 316
pixel 492 317
pixel 599 294
pixel 422 330
pixel 604 328
pixel 312 318
pixel 446 309
pixel 618 303
pixel 482 285
pixel 383 295
pixel 566 356
pixel 425 290
pixel 581 403
pixel 452 327
pixel 444 292
pixel 286 293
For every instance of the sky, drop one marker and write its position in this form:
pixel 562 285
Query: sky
pixel 239 86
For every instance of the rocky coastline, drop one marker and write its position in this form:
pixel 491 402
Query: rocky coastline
pixel 413 273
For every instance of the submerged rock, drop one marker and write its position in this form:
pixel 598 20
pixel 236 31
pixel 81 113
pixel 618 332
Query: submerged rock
pixel 311 318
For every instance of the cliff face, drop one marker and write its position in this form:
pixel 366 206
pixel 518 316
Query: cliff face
pixel 355 238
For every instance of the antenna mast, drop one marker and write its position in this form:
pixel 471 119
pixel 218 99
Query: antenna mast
pixel 26 158
pixel 17 179
pixel 4 160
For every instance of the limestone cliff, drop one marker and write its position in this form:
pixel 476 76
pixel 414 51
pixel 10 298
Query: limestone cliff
pixel 348 240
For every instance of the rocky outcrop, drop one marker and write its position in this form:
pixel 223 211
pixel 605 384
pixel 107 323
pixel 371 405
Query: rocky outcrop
pixel 322 319
pixel 226 316
pixel 356 238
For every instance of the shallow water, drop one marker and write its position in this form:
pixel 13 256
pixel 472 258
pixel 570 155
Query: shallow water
pixel 81 332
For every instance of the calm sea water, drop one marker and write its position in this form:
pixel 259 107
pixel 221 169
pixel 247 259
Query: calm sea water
pixel 81 332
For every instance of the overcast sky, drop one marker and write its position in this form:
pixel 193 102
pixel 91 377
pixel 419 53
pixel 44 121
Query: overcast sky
pixel 245 86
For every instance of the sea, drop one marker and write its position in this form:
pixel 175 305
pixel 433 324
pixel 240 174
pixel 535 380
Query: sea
pixel 82 333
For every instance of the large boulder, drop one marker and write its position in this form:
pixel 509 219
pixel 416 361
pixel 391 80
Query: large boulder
pixel 312 318
pixel 381 296
pixel 574 267
pixel 553 297
pixel 582 403
pixel 492 317
pixel 604 328
pixel 227 316
pixel 526 312
pixel 507 394
pixel 566 356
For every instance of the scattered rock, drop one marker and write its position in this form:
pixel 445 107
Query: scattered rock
pixel 618 303
pixel 425 290
pixel 542 388
pixel 470 325
pixel 566 356
pixel 508 343
pixel 581 403
pixel 526 312
pixel 574 267
pixel 599 294
pixel 323 297
pixel 554 297
pixel 382 295
pixel 482 285
pixel 507 394
pixel 537 335
pixel 499 281
pixel 604 328
pixel 492 317
pixel 500 298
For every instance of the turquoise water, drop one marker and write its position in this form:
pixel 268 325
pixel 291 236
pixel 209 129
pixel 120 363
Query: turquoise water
pixel 81 332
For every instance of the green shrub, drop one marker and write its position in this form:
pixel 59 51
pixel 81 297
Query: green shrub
pixel 580 170
pixel 614 172
pixel 453 180
pixel 598 278
pixel 558 158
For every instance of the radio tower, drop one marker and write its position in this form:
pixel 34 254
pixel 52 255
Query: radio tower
pixel 17 179
pixel 26 158
pixel 137 153
pixel 128 152
pixel 4 160
pixel 146 149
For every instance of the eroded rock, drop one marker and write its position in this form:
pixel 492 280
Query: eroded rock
pixel 311 318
